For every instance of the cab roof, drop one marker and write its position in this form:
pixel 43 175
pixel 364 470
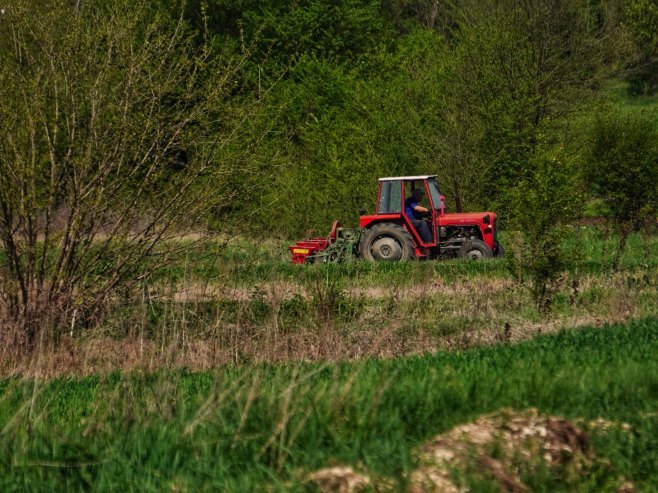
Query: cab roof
pixel 407 178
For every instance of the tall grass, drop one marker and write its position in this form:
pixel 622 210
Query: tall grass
pixel 248 303
pixel 259 427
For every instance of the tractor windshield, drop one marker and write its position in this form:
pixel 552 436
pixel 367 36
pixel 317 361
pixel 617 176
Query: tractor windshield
pixel 434 193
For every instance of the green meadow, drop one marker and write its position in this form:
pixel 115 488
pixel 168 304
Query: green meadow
pixel 262 427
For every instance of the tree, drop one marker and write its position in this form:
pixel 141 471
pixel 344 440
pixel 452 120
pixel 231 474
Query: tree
pixel 543 204
pixel 514 72
pixel 110 118
pixel 641 19
pixel 622 170
pixel 493 89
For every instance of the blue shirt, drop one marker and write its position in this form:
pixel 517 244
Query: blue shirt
pixel 409 205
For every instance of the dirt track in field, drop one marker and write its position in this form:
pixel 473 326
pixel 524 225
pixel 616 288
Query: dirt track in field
pixel 388 322
pixel 239 345
pixel 279 290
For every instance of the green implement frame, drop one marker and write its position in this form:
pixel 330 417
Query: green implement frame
pixel 343 249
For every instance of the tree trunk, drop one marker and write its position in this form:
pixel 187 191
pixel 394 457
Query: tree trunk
pixel 624 233
pixel 457 192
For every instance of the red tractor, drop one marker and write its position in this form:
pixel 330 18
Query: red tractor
pixel 390 234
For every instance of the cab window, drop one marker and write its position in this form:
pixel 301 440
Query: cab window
pixel 410 186
pixel 390 198
pixel 434 193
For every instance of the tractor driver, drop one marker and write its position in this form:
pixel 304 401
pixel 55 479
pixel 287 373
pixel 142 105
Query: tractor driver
pixel 415 212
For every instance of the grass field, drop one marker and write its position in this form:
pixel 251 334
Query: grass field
pixel 234 370
pixel 262 427
pixel 247 303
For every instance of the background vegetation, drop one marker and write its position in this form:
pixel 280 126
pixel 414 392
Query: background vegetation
pixel 124 126
pixel 157 156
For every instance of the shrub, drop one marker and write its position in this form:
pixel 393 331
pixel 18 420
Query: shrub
pixel 621 169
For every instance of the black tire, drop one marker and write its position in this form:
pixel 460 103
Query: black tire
pixel 386 242
pixel 499 251
pixel 475 250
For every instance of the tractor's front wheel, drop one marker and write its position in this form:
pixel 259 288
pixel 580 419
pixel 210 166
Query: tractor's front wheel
pixel 475 250
pixel 388 242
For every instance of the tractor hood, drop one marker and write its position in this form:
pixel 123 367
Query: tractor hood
pixel 467 217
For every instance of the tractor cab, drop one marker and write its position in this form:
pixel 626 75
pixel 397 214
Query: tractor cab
pixel 396 195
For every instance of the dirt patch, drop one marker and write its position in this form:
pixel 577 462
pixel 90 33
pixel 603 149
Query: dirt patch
pixel 497 446
pixel 520 441
pixel 607 425
pixel 436 287
pixel 338 479
pixel 232 343
pixel 282 289
pixel 189 292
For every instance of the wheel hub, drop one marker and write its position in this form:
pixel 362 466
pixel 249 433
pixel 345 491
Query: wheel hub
pixel 386 248
pixel 475 255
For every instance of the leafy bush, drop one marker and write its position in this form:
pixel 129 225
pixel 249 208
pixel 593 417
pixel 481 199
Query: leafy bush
pixel 622 170
pixel 109 120
pixel 543 204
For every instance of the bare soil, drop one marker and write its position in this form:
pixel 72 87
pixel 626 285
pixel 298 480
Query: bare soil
pixel 497 446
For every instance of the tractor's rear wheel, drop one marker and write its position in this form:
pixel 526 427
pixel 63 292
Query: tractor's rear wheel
pixel 387 242
pixel 475 250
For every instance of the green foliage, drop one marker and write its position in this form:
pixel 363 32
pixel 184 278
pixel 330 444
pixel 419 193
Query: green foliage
pixel 288 31
pixel 543 204
pixel 110 119
pixel 640 17
pixel 622 169
pixel 356 90
pixel 342 133
pixel 513 74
